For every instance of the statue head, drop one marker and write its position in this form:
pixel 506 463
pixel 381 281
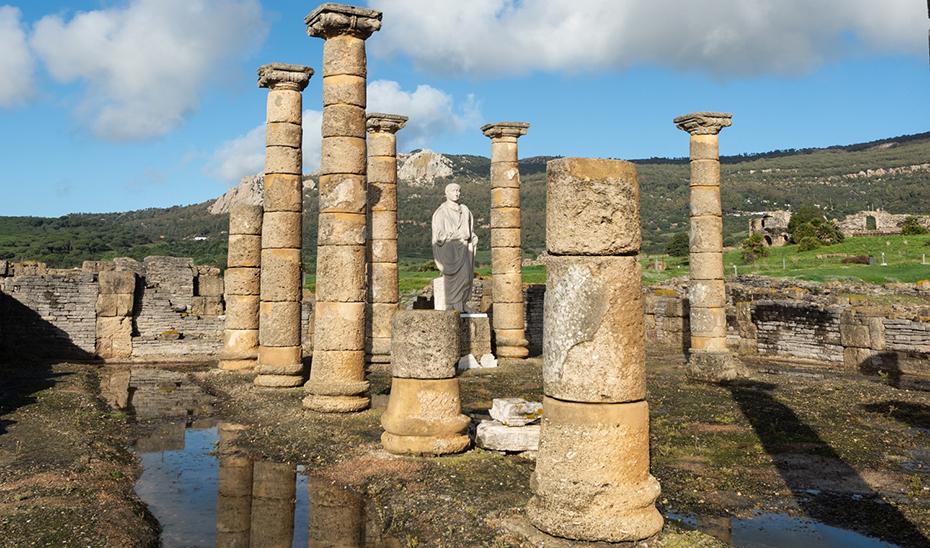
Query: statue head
pixel 453 191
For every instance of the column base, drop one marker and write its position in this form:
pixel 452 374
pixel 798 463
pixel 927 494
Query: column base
pixel 279 381
pixel 592 480
pixel 336 404
pixel 715 366
pixel 237 365
pixel 424 416
pixel 519 352
pixel 379 358
pixel 424 445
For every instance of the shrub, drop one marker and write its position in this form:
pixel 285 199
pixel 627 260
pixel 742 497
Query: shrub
pixel 808 243
pixel 911 226
pixel 856 259
pixel 677 246
pixel 753 247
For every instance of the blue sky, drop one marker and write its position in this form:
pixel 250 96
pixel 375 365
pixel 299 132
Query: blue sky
pixel 112 105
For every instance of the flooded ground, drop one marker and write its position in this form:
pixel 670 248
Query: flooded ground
pixel 785 459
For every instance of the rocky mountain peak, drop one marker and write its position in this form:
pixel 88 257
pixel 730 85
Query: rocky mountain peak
pixel 423 167
pixel 249 191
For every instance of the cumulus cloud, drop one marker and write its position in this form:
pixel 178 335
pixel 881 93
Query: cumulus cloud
pixel 431 112
pixel 721 37
pixel 146 64
pixel 16 63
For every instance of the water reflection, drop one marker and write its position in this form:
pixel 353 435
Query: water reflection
pixel 777 530
pixel 149 393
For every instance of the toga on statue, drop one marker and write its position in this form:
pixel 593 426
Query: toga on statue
pixel 454 246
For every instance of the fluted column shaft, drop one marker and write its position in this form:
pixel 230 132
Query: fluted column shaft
pixel 506 252
pixel 280 360
pixel 337 378
pixel 382 207
pixel 242 287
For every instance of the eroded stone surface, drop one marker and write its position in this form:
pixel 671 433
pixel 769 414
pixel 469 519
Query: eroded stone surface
pixel 425 344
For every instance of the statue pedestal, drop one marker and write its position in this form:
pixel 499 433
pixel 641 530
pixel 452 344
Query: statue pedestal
pixel 439 293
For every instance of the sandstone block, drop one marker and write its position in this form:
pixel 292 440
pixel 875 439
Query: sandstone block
pixel 707 293
pixel 857 359
pixel 507 288
pixel 704 147
pixel 515 411
pixel 593 341
pixel 343 120
pixel 344 88
pixel 343 155
pixel 382 169
pixel 337 372
pixel 284 105
pixel 342 193
pixel 592 208
pixel 505 237
pixel 342 229
pixel 114 337
pixel 708 343
pixel 382 197
pixel 715 366
pixel 279 381
pixel 245 219
pixel 592 478
pixel 494 436
pixel 240 344
pixel 281 229
pixel 384 282
pixel 281 275
pixel 344 54
pixel 508 316
pixel 341 273
pixel 505 174
pixel 706 235
pixel 242 311
pixel 705 200
pixel 706 266
pixel 245 250
pixel 505 197
pixel 476 335
pixel 504 150
pixel 242 281
pixel 280 159
pixel 283 192
pixel 113 305
pixel 510 338
pixel 384 224
pixel 340 326
pixel 708 322
pixel 855 335
pixel 426 344
pixel 384 251
pixel 705 173
pixel 381 144
pixel 505 217
pixel 381 316
pixel 424 417
pixel 210 286
pixel 283 134
pixel 112 282
pixel 506 260
pixel 283 360
pixel 207 306
pixel 279 323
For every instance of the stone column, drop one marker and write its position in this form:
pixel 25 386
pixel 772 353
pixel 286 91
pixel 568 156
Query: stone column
pixel 274 493
pixel 709 357
pixel 424 412
pixel 337 515
pixel 234 492
pixel 382 204
pixel 337 378
pixel 592 478
pixel 280 360
pixel 244 258
pixel 506 254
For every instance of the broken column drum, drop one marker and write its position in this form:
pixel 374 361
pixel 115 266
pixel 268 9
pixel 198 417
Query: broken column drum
pixel 242 287
pixel 280 359
pixel 709 358
pixel 506 253
pixel 424 415
pixel 337 377
pixel 382 205
pixel 592 479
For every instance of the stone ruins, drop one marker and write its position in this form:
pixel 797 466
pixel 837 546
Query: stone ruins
pixel 591 320
pixel 773 225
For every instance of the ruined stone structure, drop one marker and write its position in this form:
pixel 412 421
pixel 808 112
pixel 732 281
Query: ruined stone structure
pixel 337 379
pixel 424 413
pixel 773 226
pixel 709 357
pixel 506 254
pixel 592 479
pixel 382 204
pixel 280 358
pixel 243 287
pixel 876 223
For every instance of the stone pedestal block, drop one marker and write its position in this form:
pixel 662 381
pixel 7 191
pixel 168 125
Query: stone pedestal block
pixel 424 417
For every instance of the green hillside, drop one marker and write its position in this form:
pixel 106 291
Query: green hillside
pixel 898 182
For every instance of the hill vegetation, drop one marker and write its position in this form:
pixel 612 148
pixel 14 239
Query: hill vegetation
pixel 892 174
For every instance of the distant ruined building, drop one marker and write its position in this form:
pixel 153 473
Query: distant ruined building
pixel 773 225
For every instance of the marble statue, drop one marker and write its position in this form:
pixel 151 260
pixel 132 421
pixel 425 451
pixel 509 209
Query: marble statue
pixel 454 245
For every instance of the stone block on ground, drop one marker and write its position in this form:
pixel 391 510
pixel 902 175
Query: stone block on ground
pixel 495 436
pixel 515 411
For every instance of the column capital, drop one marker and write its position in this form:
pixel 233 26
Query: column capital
pixel 505 129
pixel 387 123
pixel 331 19
pixel 284 76
pixel 704 123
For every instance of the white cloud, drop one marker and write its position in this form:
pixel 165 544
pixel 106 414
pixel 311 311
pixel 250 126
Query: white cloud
pixel 431 113
pixel 146 64
pixel 721 37
pixel 16 63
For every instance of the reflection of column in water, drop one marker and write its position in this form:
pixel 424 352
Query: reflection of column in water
pixel 234 497
pixel 273 497
pixel 337 515
pixel 721 528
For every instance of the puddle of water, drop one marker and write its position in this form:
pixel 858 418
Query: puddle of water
pixel 777 531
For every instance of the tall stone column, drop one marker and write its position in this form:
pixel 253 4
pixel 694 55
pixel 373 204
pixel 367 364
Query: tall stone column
pixel 337 377
pixel 592 478
pixel 234 490
pixel 382 204
pixel 506 252
pixel 709 357
pixel 280 360
pixel 274 494
pixel 244 258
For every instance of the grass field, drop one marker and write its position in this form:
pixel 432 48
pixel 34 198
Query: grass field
pixel 903 256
